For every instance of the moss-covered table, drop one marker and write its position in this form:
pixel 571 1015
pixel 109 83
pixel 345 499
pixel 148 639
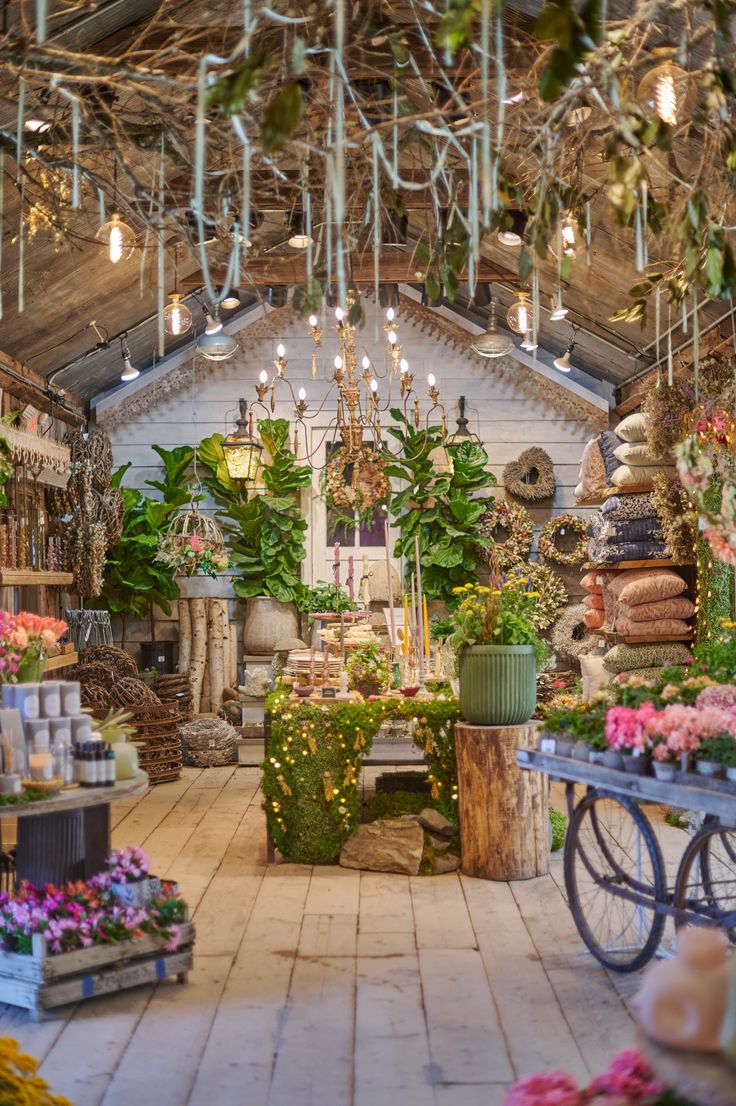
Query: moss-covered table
pixel 314 753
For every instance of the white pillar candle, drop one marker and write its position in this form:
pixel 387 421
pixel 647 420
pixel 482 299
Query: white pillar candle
pixel 50 698
pixel 71 703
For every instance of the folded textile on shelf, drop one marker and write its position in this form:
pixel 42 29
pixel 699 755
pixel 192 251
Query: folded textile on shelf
pixel 676 607
pixel 646 585
pixel 632 529
pixel 625 658
pixel 636 505
pixel 658 627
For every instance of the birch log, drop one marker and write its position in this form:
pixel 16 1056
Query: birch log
pixel 215 651
pixel 185 636
pixel 198 615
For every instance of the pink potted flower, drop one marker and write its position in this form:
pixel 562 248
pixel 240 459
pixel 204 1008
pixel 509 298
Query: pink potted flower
pixel 130 882
pixel 626 733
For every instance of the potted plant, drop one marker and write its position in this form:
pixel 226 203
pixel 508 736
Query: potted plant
pixel 498 650
pixel 627 734
pixel 715 754
pixel 555 734
pixel 323 598
pixel 265 533
pixel 368 668
pixel 664 761
pixel 130 881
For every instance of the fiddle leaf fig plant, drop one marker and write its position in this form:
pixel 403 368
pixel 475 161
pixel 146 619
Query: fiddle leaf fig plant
pixel 266 532
pixel 442 508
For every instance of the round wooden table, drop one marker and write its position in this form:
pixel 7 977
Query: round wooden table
pixel 67 837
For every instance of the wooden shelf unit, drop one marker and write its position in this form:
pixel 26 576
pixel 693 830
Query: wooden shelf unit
pixel 633 639
pixel 622 566
pixel 630 489
pixel 64 660
pixel 29 578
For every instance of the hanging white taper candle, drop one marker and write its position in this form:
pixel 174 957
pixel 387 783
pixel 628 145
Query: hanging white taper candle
pixel 19 122
pixel 246 25
pixel 696 346
pixel 75 153
pixel 339 175
pixel 657 308
pixel 669 345
pixel 485 62
pixel 21 248
pixel 535 303
pixel 161 275
pixel 41 12
pixel 500 98
pixel 101 205
pixel 245 212
pixel 684 314
pixel 474 217
pixel 645 222
pixel 588 236
pixel 395 140
pixel 376 223
pixel 2 222
pixel 308 230
pixel 639 248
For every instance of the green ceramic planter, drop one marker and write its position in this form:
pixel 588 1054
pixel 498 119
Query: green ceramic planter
pixel 498 684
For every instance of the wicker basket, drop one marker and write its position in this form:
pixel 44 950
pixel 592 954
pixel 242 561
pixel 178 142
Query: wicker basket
pixel 158 739
pixel 112 656
pixel 209 743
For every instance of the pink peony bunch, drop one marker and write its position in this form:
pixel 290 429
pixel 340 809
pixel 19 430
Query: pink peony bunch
pixel 626 727
pixel 628 1077
pixel 128 865
pixel 556 1088
pixel 628 1081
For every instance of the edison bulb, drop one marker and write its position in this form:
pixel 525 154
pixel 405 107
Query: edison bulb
pixel 302 394
pixel 118 237
pixel 280 349
pixel 177 316
pixel 431 381
pixel 263 376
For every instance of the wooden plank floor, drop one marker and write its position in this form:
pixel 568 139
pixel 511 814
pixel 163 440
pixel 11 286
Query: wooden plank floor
pixel 330 987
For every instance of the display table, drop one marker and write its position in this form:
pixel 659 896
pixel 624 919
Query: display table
pixel 504 814
pixel 67 837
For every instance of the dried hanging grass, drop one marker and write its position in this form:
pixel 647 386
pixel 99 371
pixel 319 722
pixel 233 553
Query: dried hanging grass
pixel 667 408
pixel 675 509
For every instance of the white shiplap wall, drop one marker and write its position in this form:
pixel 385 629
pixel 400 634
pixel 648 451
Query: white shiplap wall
pixel 508 417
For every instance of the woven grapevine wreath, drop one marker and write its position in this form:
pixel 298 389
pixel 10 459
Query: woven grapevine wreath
pixel 502 514
pixel 570 636
pixel 531 476
pixel 549 588
pixel 557 526
pixel 369 486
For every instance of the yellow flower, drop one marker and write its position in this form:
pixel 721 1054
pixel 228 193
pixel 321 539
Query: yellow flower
pixel 533 594
pixel 496 591
pixel 458 591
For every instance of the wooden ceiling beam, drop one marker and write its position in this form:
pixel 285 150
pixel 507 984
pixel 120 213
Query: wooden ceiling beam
pixel 29 387
pixel 393 268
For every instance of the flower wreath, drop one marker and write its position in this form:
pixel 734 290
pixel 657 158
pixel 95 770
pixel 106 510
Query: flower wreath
pixel 502 514
pixel 531 476
pixel 570 636
pixel 548 547
pixel 369 487
pixel 552 593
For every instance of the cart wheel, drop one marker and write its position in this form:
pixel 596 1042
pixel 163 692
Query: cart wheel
pixel 705 888
pixel 615 876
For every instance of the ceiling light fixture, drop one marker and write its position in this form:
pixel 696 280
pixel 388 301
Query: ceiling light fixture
pixel 117 237
pixel 241 449
pixel 513 226
pixel 129 371
pixel 177 316
pixel 298 239
pixel 213 322
pixel 230 301
pixel 217 347
pixel 563 363
pixel 491 343
pixel 558 311
pixel 530 343
pixel 518 315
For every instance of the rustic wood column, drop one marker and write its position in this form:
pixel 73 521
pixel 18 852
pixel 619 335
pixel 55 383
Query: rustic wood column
pixel 504 815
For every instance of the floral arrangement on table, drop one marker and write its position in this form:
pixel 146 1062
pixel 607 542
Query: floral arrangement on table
pixel 20 1081
pixel 80 915
pixel 628 1081
pixel 192 555
pixel 500 614
pixel 26 640
pixel 368 665
pixel 559 527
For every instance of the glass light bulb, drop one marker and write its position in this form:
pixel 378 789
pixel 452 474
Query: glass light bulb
pixel 263 377
pixel 115 246
pixel 339 314
pixel 302 394
pixel 280 349
pixel 338 362
pixel 374 384
pixel 366 362
pixel 666 99
pixel 312 320
pixel 404 365
pixel 392 337
pixel 390 314
pixel 523 318
pixel 431 380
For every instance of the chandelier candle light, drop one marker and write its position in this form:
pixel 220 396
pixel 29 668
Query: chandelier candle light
pixel 420 600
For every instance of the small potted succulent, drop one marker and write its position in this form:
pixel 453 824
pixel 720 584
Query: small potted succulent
pixel 367 668
pixel 715 754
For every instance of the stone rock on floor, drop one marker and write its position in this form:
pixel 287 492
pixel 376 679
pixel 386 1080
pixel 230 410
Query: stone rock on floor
pixel 388 845
pixel 436 823
pixel 445 862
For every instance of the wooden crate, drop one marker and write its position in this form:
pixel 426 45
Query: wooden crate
pixel 43 980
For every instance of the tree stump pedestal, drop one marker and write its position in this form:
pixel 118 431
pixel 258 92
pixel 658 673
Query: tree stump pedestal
pixel 504 815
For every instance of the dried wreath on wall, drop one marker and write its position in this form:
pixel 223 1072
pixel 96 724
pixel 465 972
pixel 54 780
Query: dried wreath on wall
pixel 557 528
pixel 503 516
pixel 531 476
pixel 365 489
pixel 551 593
pixel 675 509
pixel 570 636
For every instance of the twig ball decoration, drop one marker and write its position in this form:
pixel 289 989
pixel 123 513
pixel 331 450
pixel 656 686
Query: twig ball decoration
pixel 558 527
pixel 570 636
pixel 505 516
pixel 368 487
pixel 531 476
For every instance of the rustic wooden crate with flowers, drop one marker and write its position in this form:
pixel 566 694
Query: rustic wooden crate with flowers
pixel 121 929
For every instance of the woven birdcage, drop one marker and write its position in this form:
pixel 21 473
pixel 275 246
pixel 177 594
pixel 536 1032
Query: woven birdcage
pixel 194 524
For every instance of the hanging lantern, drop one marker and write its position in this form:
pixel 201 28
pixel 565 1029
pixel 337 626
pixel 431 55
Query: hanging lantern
pixel 463 432
pixel 492 343
pixel 117 237
pixel 670 91
pixel 241 449
pixel 177 316
pixel 519 314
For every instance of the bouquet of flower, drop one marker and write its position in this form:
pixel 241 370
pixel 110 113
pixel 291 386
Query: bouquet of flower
pixel 128 865
pixel 501 614
pixel 190 555
pixel 25 642
pixel 368 664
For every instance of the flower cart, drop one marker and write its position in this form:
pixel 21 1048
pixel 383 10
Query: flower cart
pixel 615 874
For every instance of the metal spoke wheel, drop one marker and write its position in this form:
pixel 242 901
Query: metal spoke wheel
pixel 615 876
pixel 706 879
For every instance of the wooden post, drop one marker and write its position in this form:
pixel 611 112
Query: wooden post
pixel 504 816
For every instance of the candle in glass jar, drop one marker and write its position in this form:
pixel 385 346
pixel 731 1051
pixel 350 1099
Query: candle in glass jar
pixel 40 766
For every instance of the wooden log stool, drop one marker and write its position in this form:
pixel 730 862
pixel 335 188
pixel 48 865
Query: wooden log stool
pixel 504 815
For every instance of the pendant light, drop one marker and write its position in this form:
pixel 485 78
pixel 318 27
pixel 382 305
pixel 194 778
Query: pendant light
pixel 558 311
pixel 518 315
pixel 529 343
pixel 129 371
pixel 213 322
pixel 511 232
pixel 298 239
pixel 177 316
pixel 669 90
pixel 217 347
pixel 230 301
pixel 241 449
pixel 491 343
pixel 117 237
pixel 463 432
pixel 563 363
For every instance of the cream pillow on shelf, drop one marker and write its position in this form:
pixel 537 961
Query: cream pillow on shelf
pixel 594 675
pixel 639 453
pixel 633 428
pixel 626 475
